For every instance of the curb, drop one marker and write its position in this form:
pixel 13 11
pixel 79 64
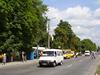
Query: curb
pixel 34 62
pixel 95 68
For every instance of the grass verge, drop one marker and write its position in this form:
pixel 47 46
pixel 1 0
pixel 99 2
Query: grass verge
pixel 98 71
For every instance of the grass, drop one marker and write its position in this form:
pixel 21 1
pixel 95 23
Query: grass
pixel 98 70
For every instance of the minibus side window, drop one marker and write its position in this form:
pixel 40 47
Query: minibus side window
pixel 55 53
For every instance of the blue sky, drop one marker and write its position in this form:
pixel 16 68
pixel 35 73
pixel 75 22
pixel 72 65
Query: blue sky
pixel 62 4
pixel 83 15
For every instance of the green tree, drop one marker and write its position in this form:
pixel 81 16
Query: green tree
pixel 63 35
pixel 22 24
pixel 98 49
pixel 76 44
pixel 87 44
pixel 65 38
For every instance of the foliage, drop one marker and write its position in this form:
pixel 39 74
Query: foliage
pixel 66 39
pixel 87 44
pixel 63 35
pixel 98 49
pixel 22 24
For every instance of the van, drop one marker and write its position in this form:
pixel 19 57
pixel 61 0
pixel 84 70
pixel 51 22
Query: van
pixel 51 57
pixel 87 53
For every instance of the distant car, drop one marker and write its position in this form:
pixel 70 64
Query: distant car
pixel 87 53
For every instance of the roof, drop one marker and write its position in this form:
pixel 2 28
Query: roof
pixel 52 50
pixel 39 48
pixel 66 49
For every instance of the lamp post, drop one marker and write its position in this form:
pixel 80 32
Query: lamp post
pixel 48 29
pixel 37 51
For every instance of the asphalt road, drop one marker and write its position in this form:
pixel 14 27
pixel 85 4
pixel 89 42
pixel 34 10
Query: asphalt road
pixel 79 66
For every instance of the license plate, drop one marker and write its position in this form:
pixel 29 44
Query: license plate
pixel 44 63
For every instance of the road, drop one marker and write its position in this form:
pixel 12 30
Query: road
pixel 79 66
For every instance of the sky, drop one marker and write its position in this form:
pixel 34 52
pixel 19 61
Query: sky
pixel 83 15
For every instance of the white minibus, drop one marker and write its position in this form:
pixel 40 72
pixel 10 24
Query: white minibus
pixel 51 57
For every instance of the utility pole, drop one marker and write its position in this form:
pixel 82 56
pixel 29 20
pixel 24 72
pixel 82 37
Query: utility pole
pixel 48 27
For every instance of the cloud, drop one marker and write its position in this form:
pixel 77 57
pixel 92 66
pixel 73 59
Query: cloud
pixel 98 1
pixel 97 13
pixel 84 21
pixel 78 12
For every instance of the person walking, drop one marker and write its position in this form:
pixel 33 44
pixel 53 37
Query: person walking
pixel 75 55
pixel 4 59
pixel 23 58
pixel 92 55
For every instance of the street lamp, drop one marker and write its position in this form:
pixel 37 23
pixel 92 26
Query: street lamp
pixel 48 28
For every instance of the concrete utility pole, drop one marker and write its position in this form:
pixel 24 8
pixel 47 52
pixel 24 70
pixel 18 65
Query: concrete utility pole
pixel 48 29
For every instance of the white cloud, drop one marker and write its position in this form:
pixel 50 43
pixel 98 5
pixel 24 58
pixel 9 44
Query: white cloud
pixel 54 13
pixel 98 1
pixel 83 20
pixel 78 12
pixel 97 13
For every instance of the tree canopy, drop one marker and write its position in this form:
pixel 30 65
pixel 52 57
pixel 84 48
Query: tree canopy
pixel 22 24
pixel 65 38
pixel 63 35
pixel 87 44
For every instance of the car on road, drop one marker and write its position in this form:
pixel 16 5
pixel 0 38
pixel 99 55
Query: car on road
pixel 87 53
pixel 51 57
pixel 68 54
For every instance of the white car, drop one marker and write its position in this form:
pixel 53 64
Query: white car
pixel 51 57
pixel 87 53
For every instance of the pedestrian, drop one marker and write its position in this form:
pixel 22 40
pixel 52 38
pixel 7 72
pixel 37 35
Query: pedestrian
pixel 4 59
pixel 92 55
pixel 23 58
pixel 75 55
pixel 40 53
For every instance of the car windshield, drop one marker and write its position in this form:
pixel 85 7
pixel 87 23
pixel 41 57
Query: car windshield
pixel 86 52
pixel 48 53
pixel 67 52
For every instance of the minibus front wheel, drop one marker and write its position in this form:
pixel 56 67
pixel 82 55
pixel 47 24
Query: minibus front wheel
pixel 54 63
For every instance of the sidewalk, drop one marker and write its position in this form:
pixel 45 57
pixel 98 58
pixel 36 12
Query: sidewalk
pixel 16 63
pixel 94 68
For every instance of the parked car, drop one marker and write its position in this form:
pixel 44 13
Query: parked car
pixel 51 57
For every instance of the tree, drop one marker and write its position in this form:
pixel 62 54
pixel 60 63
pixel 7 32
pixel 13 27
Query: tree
pixel 63 35
pixel 65 38
pixel 98 49
pixel 76 44
pixel 87 44
pixel 22 24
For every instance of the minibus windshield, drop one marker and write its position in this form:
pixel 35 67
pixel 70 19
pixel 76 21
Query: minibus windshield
pixel 48 53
